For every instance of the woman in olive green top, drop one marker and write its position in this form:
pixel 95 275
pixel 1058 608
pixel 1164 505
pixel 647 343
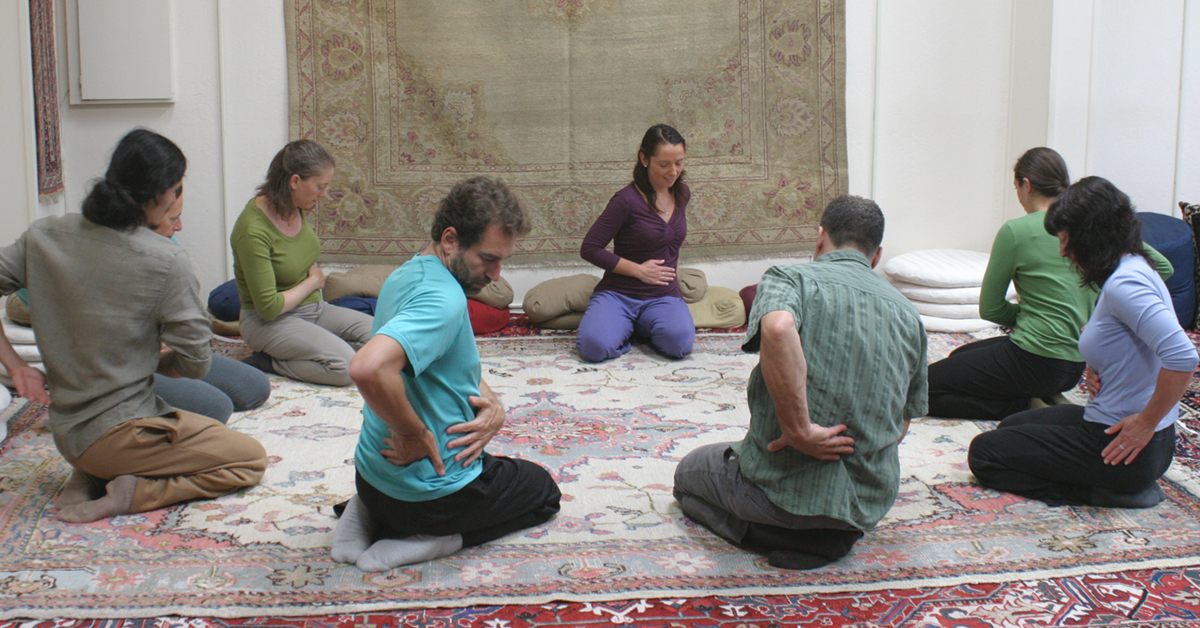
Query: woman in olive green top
pixel 284 320
pixel 993 378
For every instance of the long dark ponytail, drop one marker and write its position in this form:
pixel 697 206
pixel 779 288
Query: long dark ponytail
pixel 143 167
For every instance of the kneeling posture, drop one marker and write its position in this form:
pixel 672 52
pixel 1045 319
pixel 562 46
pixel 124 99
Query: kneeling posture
pixel 114 304
pixel 842 370
pixel 425 485
pixel 1112 451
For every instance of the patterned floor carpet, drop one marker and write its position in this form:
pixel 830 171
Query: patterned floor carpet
pixel 950 553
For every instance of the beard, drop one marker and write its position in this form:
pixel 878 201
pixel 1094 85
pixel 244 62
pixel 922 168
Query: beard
pixel 470 285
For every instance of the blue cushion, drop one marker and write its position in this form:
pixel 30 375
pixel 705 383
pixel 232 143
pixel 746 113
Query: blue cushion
pixel 366 305
pixel 224 302
pixel 1173 238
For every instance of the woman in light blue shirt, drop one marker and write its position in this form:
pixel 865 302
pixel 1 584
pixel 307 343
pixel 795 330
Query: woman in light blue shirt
pixel 1112 451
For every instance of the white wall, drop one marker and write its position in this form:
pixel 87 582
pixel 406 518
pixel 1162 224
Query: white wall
pixel 942 96
pixel 1134 117
pixel 18 159
pixel 90 132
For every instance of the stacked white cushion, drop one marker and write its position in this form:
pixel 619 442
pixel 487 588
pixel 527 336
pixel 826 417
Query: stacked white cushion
pixel 945 295
pixel 7 381
pixel 5 400
pixel 957 311
pixel 23 341
pixel 955 325
pixel 943 284
pixel 939 268
pixel 17 334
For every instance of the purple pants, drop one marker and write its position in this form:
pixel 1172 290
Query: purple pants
pixel 612 319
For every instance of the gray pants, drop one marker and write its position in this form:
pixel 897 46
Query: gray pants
pixel 311 343
pixel 229 387
pixel 712 491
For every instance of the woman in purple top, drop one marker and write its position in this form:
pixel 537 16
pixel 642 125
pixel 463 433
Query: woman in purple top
pixel 1112 451
pixel 646 222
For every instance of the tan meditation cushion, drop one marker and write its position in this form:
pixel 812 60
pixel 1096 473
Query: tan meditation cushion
pixel 498 294
pixel 721 308
pixel 554 297
pixel 18 311
pixel 225 328
pixel 692 283
pixel 569 320
pixel 362 281
pixel 367 281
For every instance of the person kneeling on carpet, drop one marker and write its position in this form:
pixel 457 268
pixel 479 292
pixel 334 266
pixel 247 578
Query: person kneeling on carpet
pixel 426 487
pixel 1112 451
pixel 107 294
pixel 842 371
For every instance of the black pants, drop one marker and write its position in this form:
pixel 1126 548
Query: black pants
pixel 509 495
pixel 994 378
pixel 1053 455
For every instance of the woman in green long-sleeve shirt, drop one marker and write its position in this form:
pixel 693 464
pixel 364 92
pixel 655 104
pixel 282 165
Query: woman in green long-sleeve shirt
pixel 284 319
pixel 993 378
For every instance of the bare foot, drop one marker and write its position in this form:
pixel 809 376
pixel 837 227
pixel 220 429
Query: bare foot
pixel 80 487
pixel 116 501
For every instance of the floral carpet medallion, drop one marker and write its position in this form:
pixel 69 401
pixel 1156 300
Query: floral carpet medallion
pixel 611 434
pixel 554 96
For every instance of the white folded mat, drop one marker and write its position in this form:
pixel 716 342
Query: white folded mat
pixel 938 268
pixel 8 380
pixel 956 325
pixel 17 334
pixel 958 311
pixel 29 353
pixel 945 295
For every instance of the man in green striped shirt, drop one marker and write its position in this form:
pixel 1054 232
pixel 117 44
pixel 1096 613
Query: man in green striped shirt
pixel 842 370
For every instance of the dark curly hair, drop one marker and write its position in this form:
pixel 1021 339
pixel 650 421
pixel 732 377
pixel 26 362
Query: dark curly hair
pixel 473 205
pixel 1100 225
pixel 143 166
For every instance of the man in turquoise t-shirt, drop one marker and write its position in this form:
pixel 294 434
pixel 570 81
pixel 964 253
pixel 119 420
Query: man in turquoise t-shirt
pixel 425 485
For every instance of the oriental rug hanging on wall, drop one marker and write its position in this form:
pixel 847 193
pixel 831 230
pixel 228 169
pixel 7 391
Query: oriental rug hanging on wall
pixel 553 96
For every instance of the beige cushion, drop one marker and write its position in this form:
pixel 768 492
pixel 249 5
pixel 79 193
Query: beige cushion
pixel 569 320
pixel 554 297
pixel 721 308
pixel 692 283
pixel 225 328
pixel 18 312
pixel 498 294
pixel 363 281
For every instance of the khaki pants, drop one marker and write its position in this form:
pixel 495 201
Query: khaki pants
pixel 312 343
pixel 175 458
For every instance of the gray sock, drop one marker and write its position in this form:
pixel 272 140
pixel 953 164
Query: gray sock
pixel 352 536
pixel 117 500
pixel 388 554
